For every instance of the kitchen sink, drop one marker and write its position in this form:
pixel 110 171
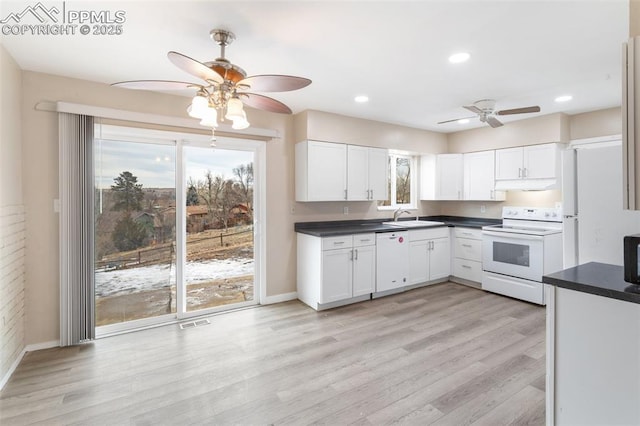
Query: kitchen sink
pixel 413 223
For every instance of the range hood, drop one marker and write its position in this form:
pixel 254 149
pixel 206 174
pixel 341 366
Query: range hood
pixel 526 184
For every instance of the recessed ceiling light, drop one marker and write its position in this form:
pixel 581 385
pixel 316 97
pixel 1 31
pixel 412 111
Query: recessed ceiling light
pixel 463 121
pixel 564 98
pixel 361 99
pixel 458 58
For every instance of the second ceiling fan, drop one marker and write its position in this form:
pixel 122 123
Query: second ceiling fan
pixel 486 112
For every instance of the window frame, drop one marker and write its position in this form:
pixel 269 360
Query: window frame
pixel 413 192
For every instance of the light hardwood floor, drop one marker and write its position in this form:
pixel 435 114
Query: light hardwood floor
pixel 445 355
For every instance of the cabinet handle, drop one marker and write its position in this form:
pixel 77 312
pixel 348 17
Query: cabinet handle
pixel 519 172
pixel 466 266
pixel 351 255
pixel 466 233
pixel 345 194
pixel 356 254
pixel 525 172
pixel 466 245
pixel 337 243
pixel 491 194
pixel 366 240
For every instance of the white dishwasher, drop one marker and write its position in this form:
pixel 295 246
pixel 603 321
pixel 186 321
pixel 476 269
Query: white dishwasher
pixel 392 260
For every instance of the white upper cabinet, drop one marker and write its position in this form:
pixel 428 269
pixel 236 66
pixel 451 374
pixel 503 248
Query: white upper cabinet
pixel 449 177
pixel 509 163
pixel 378 173
pixel 528 167
pixel 366 173
pixel 321 171
pixel 459 177
pixel 327 171
pixel 479 179
pixel 540 161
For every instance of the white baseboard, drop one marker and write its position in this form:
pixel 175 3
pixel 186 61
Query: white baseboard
pixel 28 348
pixel 279 298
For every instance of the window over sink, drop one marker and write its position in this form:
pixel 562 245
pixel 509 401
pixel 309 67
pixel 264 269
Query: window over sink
pixel 402 182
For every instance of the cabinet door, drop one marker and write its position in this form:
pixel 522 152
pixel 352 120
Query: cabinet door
pixel 439 259
pixel 357 172
pixel 449 177
pixel 378 173
pixel 327 171
pixel 336 275
pixel 540 161
pixel 509 163
pixel 364 270
pixel 479 176
pixel 418 262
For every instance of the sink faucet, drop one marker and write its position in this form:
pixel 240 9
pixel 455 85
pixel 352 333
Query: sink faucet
pixel 397 213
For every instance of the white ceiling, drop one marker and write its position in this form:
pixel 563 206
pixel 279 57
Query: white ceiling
pixel 522 52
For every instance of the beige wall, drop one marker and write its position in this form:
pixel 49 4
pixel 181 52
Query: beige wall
pixel 12 244
pixel 593 124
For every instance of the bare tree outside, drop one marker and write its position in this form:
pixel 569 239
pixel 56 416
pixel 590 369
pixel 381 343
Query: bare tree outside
pixel 403 180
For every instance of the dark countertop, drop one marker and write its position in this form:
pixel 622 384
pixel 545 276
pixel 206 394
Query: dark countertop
pixel 345 227
pixel 600 279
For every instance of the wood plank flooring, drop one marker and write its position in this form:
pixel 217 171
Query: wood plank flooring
pixel 443 355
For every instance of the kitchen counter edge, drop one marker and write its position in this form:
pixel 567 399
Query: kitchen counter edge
pixel 337 228
pixel 600 279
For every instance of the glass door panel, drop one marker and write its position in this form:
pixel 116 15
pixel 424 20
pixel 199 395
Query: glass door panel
pixel 219 267
pixel 135 230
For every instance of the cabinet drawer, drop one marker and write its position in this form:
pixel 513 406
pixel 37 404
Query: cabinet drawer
pixel 473 233
pixel 428 233
pixel 361 240
pixel 468 249
pixel 332 243
pixel 467 269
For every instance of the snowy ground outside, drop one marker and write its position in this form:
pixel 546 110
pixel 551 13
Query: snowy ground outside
pixel 155 277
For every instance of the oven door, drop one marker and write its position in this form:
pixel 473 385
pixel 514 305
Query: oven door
pixel 517 255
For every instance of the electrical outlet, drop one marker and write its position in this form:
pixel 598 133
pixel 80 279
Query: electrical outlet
pixel 483 208
pixel 345 210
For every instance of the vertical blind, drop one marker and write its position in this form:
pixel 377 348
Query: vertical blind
pixel 76 192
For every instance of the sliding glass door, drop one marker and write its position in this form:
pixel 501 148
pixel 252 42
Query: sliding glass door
pixel 135 230
pixel 174 226
pixel 219 266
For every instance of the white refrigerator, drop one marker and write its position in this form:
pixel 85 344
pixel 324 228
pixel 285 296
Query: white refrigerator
pixel 594 220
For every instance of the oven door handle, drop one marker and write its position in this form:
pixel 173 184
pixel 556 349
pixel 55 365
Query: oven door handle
pixel 511 235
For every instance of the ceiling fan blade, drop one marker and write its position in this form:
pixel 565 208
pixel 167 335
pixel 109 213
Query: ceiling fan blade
pixel 456 119
pixel 274 83
pixel 523 110
pixel 194 67
pixel 473 108
pixel 155 85
pixel 493 122
pixel 264 102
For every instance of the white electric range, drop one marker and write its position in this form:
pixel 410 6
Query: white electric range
pixel 516 254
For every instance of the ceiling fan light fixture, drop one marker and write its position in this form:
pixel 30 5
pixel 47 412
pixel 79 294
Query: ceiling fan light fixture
pixel 210 118
pixel 463 121
pixel 199 106
pixel 361 99
pixel 460 57
pixel 241 123
pixel 234 110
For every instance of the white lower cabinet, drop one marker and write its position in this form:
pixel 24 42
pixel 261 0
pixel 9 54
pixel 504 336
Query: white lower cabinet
pixel 429 255
pixel 467 254
pixel 335 270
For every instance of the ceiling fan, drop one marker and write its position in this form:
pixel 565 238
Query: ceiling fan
pixel 485 111
pixel 225 86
